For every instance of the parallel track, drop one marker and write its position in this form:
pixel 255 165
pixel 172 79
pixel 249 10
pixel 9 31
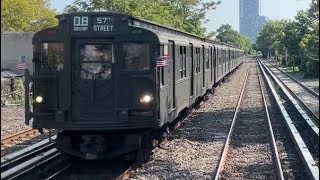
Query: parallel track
pixel 306 124
pixel 306 97
pixel 250 144
pixel 298 82
pixel 25 160
pixel 18 138
pixel 299 126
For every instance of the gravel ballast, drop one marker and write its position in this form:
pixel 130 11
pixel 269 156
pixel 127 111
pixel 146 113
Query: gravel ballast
pixel 12 120
pixel 193 151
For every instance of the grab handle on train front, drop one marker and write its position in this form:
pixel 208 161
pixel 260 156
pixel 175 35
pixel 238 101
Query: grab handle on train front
pixel 28 113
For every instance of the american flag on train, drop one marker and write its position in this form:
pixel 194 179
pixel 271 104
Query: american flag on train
pixel 162 61
pixel 22 65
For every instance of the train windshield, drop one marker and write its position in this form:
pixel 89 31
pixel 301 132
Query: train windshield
pixel 96 61
pixel 53 56
pixel 136 56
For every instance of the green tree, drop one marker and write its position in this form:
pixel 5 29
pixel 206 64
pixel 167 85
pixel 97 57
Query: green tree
pixel 26 15
pixel 271 39
pixel 233 37
pixel 228 35
pixel 294 42
pixel 187 15
pixel 309 43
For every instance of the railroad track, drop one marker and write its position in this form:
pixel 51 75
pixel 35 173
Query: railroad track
pixel 44 161
pixel 315 94
pixel 250 150
pixel 25 160
pixel 302 131
pixel 117 169
pixel 305 123
pixel 306 97
pixel 18 138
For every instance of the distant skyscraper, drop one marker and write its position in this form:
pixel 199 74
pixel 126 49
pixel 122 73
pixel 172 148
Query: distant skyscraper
pixel 251 23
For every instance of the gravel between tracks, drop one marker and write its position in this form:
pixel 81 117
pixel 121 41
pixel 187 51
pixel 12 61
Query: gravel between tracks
pixel 311 101
pixel 12 120
pixel 312 83
pixel 193 151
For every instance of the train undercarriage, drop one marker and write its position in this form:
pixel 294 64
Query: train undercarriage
pixel 95 145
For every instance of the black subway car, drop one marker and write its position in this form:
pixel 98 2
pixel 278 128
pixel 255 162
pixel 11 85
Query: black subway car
pixel 104 80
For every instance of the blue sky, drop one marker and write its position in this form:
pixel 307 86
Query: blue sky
pixel 228 11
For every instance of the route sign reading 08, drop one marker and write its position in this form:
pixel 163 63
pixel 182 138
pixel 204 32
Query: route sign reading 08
pixel 99 24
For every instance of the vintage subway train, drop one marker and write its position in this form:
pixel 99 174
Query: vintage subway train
pixel 104 80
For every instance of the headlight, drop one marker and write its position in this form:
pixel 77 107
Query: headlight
pixel 145 99
pixel 39 99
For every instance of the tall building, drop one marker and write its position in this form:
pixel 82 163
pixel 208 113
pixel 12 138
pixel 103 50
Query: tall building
pixel 251 23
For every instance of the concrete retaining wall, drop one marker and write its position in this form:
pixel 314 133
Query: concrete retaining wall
pixel 13 46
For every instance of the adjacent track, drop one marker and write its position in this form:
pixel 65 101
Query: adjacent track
pixel 306 97
pixel 18 138
pixel 298 123
pixel 315 94
pixel 23 161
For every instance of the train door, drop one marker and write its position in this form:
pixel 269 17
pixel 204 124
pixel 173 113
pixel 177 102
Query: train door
pixel 93 81
pixel 192 70
pixel 171 78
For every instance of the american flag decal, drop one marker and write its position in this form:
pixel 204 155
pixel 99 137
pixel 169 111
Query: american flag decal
pixel 162 61
pixel 22 65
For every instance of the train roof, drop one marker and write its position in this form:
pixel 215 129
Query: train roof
pixel 149 25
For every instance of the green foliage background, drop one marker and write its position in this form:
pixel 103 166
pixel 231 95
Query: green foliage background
pixel 26 15
pixel 294 43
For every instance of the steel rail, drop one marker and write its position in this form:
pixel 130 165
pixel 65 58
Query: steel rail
pixel 17 136
pixel 274 144
pixel 226 145
pixel 294 79
pixel 309 162
pixel 60 171
pixel 298 98
pixel 30 164
pixel 311 124
pixel 11 159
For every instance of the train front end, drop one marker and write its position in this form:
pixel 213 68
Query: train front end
pixel 94 81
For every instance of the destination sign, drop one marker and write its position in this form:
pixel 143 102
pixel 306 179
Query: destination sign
pixel 99 23
pixel 103 23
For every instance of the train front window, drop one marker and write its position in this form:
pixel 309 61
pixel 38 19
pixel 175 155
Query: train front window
pixel 96 61
pixel 52 56
pixel 136 56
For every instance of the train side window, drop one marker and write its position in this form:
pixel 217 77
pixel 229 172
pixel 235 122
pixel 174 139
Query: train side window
pixel 161 68
pixel 136 56
pixel 197 60
pixel 185 62
pixel 220 56
pixel 181 61
pixel 208 56
pixel 53 56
